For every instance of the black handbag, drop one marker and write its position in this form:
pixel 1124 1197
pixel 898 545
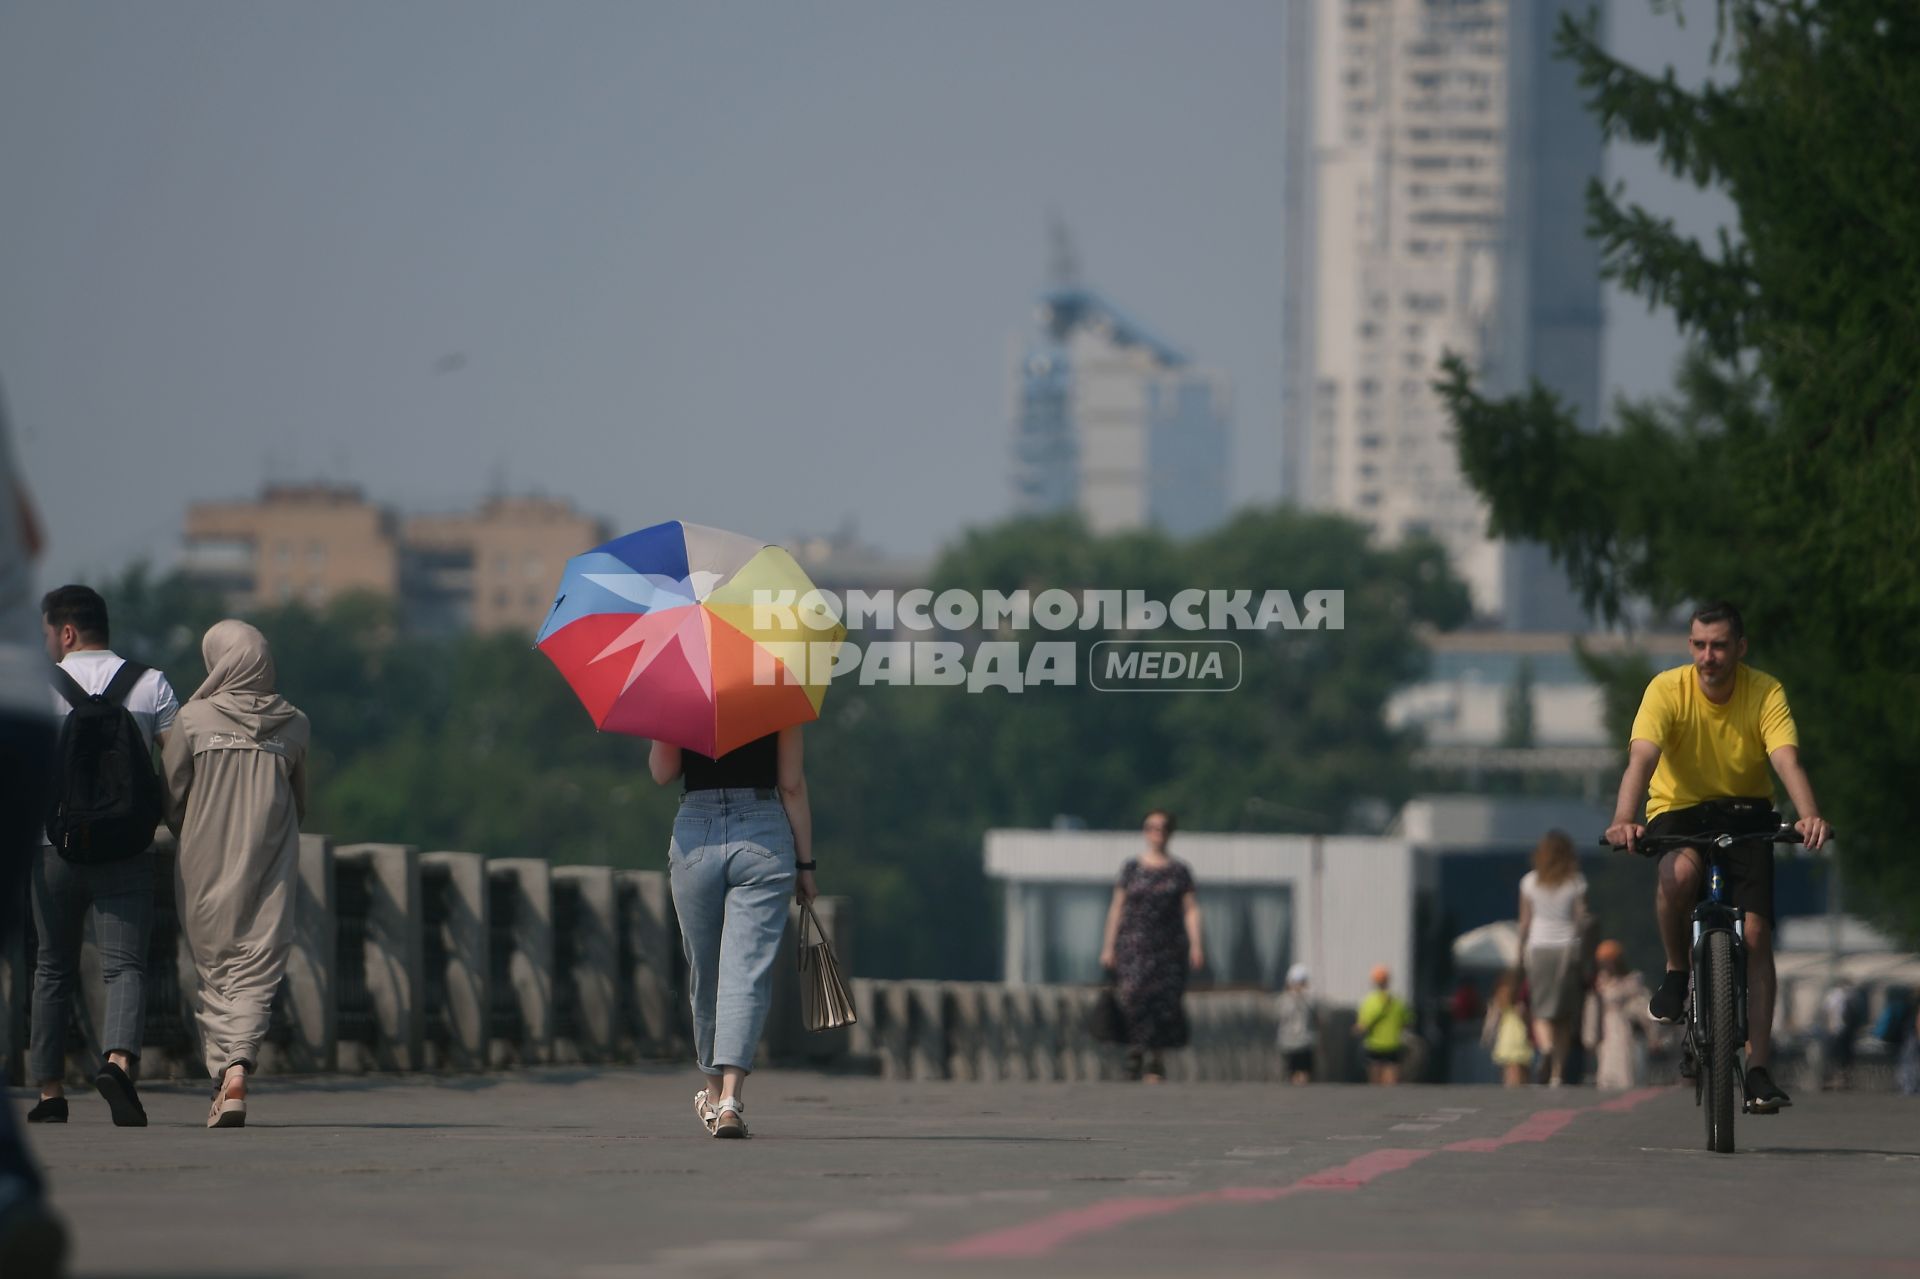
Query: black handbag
pixel 1105 1022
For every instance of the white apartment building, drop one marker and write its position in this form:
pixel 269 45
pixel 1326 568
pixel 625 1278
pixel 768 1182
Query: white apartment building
pixel 1438 162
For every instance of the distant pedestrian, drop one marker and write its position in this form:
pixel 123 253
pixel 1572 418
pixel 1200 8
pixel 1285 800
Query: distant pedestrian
pixel 236 782
pixel 742 849
pixel 1906 1073
pixel 1299 1026
pixel 1553 912
pixel 115 712
pixel 1621 995
pixel 1843 1011
pixel 1505 1032
pixel 1152 943
pixel 1381 1027
pixel 1895 1020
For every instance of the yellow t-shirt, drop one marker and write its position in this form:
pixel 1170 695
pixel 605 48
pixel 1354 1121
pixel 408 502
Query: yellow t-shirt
pixel 1710 751
pixel 1384 1018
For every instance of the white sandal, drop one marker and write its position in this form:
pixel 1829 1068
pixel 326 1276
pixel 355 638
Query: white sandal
pixel 708 1115
pixel 227 1112
pixel 729 1119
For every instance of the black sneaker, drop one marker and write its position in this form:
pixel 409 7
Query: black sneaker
pixel 1764 1097
pixel 51 1110
pixel 1669 1002
pixel 122 1099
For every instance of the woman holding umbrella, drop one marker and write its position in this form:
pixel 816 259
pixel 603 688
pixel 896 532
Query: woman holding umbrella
pixel 742 844
pixel 690 637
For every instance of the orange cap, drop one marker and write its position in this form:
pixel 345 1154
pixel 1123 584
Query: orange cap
pixel 1380 974
pixel 1609 952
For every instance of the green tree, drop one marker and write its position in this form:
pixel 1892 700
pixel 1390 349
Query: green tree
pixel 1785 472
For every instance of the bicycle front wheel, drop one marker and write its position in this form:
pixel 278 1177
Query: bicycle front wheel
pixel 1721 1061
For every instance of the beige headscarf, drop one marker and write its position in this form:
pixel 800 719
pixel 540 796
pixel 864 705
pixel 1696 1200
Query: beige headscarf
pixel 240 680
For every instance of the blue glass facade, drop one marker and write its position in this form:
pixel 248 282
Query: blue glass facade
pixel 1164 455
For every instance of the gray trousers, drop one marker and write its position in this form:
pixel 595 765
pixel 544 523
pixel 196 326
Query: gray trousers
pixel 120 896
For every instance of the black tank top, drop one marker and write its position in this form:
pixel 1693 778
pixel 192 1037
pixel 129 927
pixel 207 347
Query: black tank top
pixel 757 764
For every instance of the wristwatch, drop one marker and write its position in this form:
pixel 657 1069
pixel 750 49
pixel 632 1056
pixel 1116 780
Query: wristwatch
pixel 804 865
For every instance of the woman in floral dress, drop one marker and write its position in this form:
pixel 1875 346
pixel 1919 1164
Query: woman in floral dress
pixel 1152 943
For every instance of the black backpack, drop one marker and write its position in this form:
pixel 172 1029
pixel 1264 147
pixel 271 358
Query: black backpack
pixel 106 797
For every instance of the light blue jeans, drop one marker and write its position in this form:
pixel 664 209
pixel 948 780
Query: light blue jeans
pixel 731 863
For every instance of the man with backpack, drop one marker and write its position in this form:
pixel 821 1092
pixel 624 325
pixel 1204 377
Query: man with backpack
pixel 105 804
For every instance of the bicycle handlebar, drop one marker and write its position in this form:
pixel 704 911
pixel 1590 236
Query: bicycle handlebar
pixel 1708 839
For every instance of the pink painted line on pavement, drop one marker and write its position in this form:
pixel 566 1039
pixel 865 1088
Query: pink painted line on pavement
pixel 1629 1100
pixel 1538 1126
pixel 1038 1238
pixel 1041 1237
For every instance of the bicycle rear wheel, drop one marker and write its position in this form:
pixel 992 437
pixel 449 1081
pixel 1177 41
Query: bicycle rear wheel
pixel 1721 1061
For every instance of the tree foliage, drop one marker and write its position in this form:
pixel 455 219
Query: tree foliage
pixel 1784 473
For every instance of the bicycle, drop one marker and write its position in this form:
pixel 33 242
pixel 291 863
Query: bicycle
pixel 1716 1024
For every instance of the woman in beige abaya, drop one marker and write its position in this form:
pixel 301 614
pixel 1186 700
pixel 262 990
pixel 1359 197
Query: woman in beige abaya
pixel 237 785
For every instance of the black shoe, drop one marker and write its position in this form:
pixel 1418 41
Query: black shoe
pixel 51 1110
pixel 1764 1097
pixel 33 1243
pixel 1669 1002
pixel 122 1100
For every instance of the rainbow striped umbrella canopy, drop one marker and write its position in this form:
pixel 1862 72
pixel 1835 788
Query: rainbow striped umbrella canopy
pixel 658 634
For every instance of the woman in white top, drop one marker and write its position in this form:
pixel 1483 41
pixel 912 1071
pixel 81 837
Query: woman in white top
pixel 1553 915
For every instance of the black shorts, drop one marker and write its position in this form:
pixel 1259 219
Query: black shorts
pixel 1299 1061
pixel 1749 867
pixel 1391 1057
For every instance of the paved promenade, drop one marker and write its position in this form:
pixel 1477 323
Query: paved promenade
pixel 606 1175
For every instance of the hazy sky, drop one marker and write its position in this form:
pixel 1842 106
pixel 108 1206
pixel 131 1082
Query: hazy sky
pixel 757 264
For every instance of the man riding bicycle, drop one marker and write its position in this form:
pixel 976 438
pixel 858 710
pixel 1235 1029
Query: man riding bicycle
pixel 1703 738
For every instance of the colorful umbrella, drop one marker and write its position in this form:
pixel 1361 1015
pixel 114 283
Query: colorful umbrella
pixel 659 636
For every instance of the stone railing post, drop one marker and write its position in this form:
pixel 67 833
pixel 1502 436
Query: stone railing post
pixel 395 962
pixel 307 991
pixel 459 975
pixel 648 945
pixel 521 957
pixel 591 953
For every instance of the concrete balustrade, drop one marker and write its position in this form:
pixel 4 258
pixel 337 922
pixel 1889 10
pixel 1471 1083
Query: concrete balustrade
pixel 445 960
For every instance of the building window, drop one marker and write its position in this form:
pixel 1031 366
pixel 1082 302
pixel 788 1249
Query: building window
pixel 536 566
pixel 502 599
pixel 317 555
pixel 283 553
pixel 503 564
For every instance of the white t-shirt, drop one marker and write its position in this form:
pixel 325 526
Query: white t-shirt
pixel 1553 923
pixel 151 703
